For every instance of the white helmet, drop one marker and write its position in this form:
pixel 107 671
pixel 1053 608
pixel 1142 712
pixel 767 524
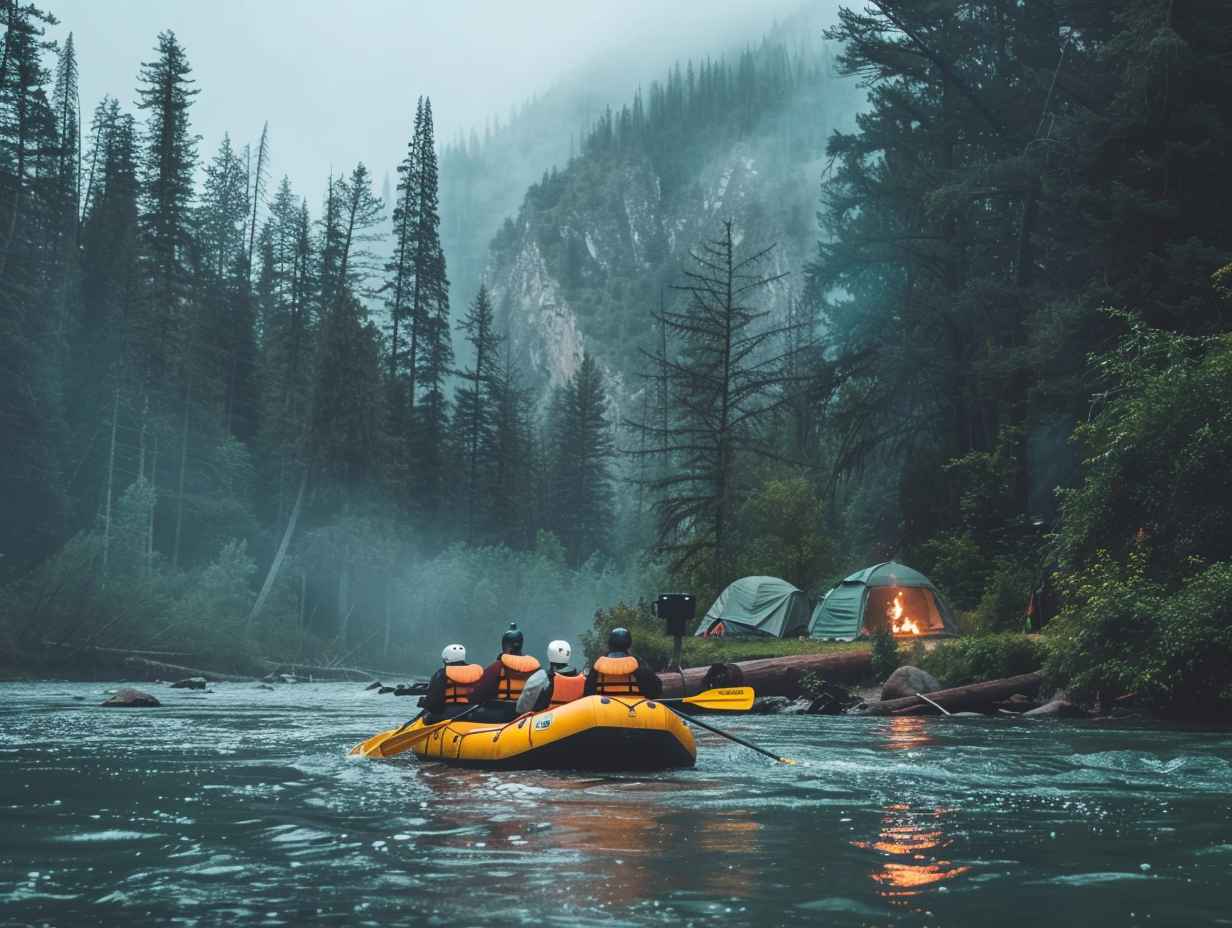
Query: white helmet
pixel 453 653
pixel 559 652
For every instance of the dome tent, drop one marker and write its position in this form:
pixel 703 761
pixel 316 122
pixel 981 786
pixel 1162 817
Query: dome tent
pixel 758 606
pixel 889 595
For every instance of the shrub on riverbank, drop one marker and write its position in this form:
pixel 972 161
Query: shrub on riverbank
pixel 1122 633
pixel 984 657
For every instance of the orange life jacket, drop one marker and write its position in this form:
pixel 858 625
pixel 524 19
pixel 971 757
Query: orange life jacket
pixel 615 676
pixel 460 679
pixel 566 689
pixel 515 669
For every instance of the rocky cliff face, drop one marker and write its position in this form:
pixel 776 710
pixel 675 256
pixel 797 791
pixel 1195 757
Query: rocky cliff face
pixel 596 246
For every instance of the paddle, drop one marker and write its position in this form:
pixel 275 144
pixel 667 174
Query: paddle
pixel 391 742
pixel 728 698
pixel 730 737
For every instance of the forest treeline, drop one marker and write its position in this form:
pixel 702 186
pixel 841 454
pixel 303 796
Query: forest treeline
pixel 204 379
pixel 1007 362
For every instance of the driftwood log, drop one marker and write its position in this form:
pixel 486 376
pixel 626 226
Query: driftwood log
pixel 970 698
pixel 770 676
pixel 347 674
pixel 179 670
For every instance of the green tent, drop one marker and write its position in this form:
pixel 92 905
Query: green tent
pixel 758 606
pixel 889 595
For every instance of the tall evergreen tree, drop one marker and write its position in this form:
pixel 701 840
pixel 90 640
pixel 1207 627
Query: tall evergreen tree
pixel 167 165
pixel 724 388
pixel 432 338
pixel 582 451
pixel 476 409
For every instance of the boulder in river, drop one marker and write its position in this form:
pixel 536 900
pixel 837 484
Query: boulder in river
pixel 189 683
pixel 908 681
pixel 130 699
pixel 375 685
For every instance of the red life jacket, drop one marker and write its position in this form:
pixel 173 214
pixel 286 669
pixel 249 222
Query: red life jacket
pixel 566 689
pixel 616 676
pixel 460 679
pixel 515 670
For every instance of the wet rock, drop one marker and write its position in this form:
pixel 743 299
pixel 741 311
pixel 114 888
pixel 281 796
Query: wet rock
pixel 376 685
pixel 388 689
pixel 410 689
pixel 130 699
pixel 264 686
pixel 770 705
pixel 967 715
pixel 189 683
pixel 908 681
pixel 1058 709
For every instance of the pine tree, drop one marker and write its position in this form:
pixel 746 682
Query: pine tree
pixel 724 386
pixel 167 165
pixel 582 450
pixel 32 307
pixel 431 339
pixel 399 287
pixel 475 410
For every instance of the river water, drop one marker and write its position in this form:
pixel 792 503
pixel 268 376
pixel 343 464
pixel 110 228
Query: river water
pixel 238 806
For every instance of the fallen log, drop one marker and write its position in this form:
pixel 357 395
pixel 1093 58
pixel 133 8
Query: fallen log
pixel 960 698
pixel 349 674
pixel 770 676
pixel 179 670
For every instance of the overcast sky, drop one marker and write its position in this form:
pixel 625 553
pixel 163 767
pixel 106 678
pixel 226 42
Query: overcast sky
pixel 338 80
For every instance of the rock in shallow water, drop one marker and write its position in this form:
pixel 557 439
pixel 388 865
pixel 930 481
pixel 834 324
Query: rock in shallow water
pixel 1058 709
pixel 189 683
pixel 908 681
pixel 130 699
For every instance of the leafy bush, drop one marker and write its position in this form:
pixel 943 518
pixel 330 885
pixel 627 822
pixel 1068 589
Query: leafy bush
pixel 1157 455
pixel 1003 605
pixel 886 658
pixel 957 565
pixel 984 657
pixel 1121 632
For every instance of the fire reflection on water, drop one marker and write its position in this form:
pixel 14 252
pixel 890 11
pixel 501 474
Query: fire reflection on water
pixel 911 843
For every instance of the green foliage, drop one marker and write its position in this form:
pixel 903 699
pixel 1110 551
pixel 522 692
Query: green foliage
pixel 1003 605
pixel 956 564
pixel 1123 633
pixel 780 533
pixel 1156 455
pixel 984 657
pixel 886 656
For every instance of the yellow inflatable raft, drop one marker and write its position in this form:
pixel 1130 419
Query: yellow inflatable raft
pixel 592 733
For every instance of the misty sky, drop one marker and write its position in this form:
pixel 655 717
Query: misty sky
pixel 338 81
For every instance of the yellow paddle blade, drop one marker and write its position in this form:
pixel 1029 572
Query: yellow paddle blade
pixel 366 747
pixel 731 698
pixel 396 740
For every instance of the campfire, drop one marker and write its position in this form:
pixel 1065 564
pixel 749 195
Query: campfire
pixel 900 622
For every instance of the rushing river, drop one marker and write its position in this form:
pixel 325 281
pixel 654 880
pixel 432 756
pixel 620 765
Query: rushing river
pixel 239 807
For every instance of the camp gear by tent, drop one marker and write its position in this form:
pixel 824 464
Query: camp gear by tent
pixel 757 606
pixel 885 596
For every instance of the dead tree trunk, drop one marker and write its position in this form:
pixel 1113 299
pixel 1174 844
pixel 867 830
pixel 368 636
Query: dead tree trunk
pixel 971 698
pixel 771 676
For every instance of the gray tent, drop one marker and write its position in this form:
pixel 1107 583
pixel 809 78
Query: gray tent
pixel 758 606
pixel 889 595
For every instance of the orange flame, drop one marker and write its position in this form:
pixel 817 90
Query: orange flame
pixel 901 624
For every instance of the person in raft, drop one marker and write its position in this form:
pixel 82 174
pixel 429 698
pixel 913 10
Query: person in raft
pixel 620 673
pixel 449 690
pixel 554 685
pixel 503 680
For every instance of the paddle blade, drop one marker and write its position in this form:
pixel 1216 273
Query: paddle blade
pixel 367 747
pixel 729 698
pixel 395 741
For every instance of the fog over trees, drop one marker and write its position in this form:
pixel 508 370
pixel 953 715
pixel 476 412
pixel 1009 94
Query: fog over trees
pixel 902 283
